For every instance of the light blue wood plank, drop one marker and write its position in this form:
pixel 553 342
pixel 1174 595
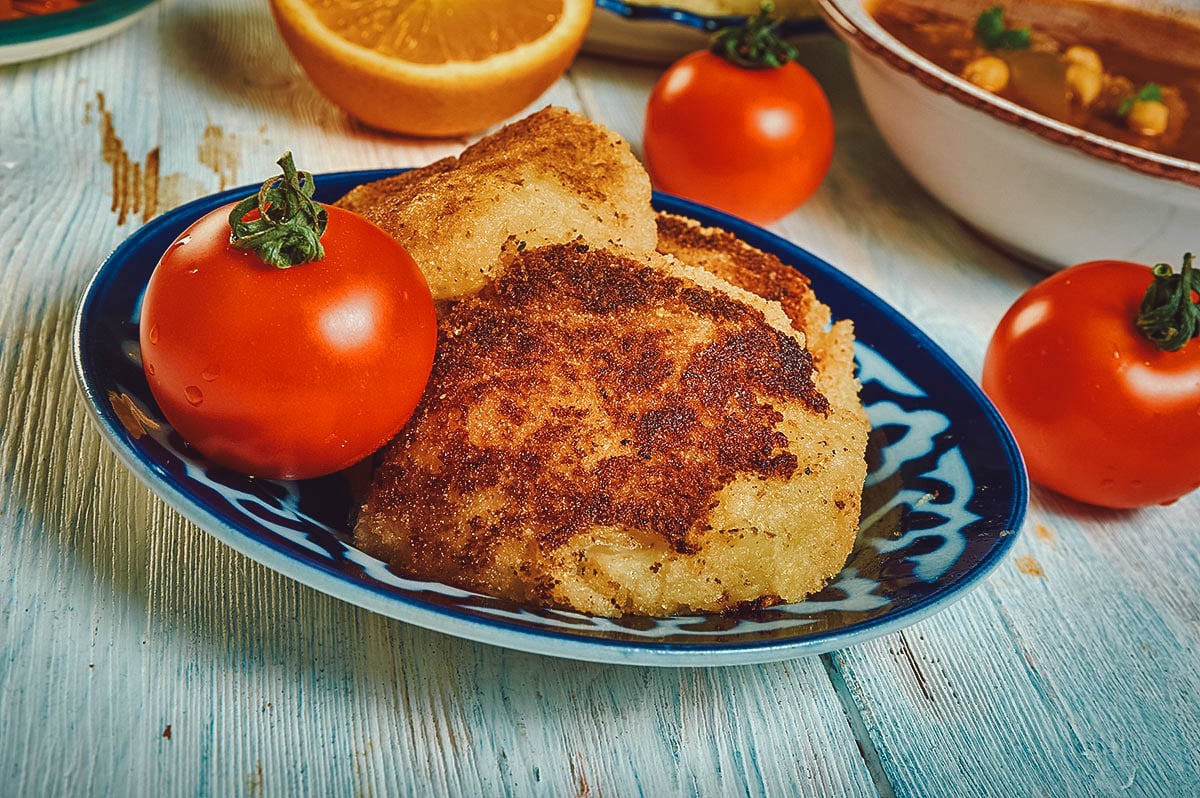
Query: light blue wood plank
pixel 1072 671
pixel 1059 675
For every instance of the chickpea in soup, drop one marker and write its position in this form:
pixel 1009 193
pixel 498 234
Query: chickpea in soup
pixel 1085 64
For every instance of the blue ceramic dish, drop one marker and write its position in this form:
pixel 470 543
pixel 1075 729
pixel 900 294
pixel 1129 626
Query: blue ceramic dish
pixel 703 22
pixel 945 496
pixel 43 35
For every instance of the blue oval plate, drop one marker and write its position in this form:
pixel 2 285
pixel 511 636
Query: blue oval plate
pixel 945 495
pixel 43 35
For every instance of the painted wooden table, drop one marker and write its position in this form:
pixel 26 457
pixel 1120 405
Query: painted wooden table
pixel 138 656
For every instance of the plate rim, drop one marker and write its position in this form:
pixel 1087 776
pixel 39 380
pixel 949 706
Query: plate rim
pixel 705 23
pixel 62 23
pixel 496 631
pixel 46 35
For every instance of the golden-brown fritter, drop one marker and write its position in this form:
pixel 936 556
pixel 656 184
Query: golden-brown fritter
pixel 621 434
pixel 550 177
pixel 758 272
pixel 761 273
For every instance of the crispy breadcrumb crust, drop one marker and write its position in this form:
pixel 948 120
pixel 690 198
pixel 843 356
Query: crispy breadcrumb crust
pixel 550 177
pixel 629 413
pixel 620 436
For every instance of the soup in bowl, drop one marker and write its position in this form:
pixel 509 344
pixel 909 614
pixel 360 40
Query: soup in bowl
pixel 1064 131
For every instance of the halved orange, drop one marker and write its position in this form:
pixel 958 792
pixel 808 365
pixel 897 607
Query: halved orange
pixel 433 67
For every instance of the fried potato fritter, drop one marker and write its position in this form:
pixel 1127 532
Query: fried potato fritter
pixel 629 413
pixel 619 436
pixel 728 257
pixel 550 177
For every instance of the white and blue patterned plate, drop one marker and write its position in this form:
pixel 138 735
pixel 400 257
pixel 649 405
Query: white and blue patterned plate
pixel 44 35
pixel 944 499
pixel 660 33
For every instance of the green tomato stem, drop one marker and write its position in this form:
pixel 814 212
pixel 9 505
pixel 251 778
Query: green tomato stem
pixel 287 230
pixel 1169 315
pixel 755 43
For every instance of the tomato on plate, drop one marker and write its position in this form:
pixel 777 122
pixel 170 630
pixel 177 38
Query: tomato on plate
pixel 741 127
pixel 1097 373
pixel 280 370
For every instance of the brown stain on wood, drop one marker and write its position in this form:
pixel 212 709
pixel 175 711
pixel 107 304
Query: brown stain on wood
pixel 1029 566
pixel 134 184
pixel 583 789
pixel 255 781
pixel 220 153
pixel 1045 534
pixel 167 732
pixel 150 185
pixel 174 189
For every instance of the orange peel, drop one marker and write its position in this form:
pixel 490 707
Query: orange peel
pixel 432 67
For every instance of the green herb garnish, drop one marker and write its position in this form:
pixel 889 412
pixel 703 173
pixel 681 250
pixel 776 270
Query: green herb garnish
pixel 1150 93
pixel 993 32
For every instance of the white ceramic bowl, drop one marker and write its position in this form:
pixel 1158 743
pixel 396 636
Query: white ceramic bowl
pixel 1047 191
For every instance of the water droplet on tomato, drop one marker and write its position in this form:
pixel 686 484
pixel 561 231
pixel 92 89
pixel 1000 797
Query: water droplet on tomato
pixel 150 369
pixel 194 395
pixel 211 373
pixel 154 334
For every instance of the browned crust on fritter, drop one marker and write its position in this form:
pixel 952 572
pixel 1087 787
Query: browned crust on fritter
pixel 547 178
pixel 560 142
pixel 377 200
pixel 735 261
pixel 652 394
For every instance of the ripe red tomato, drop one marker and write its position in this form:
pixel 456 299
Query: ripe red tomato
pixel 1100 413
pixel 287 372
pixel 752 142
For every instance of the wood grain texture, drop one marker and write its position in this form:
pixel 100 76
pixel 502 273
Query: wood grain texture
pixel 139 656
